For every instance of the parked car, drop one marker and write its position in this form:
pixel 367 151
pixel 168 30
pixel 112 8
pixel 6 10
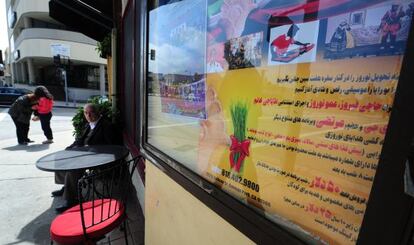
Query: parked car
pixel 8 95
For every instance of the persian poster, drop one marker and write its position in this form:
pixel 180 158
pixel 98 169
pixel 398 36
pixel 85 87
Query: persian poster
pixel 300 137
pixel 304 146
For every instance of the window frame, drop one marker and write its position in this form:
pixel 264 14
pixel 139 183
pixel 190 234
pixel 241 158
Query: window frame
pixel 256 226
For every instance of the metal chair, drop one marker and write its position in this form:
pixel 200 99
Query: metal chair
pixel 102 196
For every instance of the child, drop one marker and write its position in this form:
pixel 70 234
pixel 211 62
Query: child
pixel 44 112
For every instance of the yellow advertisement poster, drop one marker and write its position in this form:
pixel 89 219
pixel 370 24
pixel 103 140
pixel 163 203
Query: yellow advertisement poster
pixel 313 134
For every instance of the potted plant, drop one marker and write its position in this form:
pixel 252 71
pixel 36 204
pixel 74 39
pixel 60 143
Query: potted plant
pixel 104 47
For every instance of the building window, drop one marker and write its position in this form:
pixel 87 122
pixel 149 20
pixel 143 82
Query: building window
pixel 286 113
pixel 357 18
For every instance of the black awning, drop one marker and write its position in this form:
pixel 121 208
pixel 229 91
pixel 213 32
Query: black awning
pixel 90 17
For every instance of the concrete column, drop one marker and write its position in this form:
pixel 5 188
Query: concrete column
pixel 31 70
pixel 102 79
pixel 13 71
pixel 17 71
pixel 23 71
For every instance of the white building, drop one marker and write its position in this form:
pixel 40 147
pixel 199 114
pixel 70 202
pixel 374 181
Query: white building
pixel 34 38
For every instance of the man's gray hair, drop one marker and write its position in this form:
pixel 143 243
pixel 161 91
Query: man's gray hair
pixel 93 107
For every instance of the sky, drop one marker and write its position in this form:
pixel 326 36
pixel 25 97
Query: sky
pixel 3 26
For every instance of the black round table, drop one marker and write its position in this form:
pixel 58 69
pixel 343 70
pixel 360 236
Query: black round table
pixel 81 158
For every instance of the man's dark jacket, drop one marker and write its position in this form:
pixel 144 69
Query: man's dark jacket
pixel 21 109
pixel 104 133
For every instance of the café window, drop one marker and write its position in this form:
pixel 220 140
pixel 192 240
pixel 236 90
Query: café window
pixel 282 104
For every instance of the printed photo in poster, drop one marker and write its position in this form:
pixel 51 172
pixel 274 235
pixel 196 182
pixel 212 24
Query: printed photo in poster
pixel 379 30
pixel 188 25
pixel 244 52
pixel 183 95
pixel 294 43
pixel 179 43
pixel 215 59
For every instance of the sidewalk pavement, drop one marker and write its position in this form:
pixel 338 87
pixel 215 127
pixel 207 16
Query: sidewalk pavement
pixel 26 203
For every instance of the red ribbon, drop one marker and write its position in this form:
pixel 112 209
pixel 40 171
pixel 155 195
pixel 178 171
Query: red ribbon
pixel 238 147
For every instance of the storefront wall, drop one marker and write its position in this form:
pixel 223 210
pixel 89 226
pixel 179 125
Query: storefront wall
pixel 174 216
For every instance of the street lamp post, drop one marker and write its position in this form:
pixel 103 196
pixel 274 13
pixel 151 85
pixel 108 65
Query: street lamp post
pixel 62 68
pixel 66 85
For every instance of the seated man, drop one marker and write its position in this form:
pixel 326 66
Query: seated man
pixel 98 131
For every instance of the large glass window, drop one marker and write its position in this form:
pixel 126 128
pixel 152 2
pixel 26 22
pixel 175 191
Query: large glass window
pixel 282 104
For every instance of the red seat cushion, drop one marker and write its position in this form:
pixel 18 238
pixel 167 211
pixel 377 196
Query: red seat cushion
pixel 67 227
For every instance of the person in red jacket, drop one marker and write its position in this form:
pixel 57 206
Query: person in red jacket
pixel 43 111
